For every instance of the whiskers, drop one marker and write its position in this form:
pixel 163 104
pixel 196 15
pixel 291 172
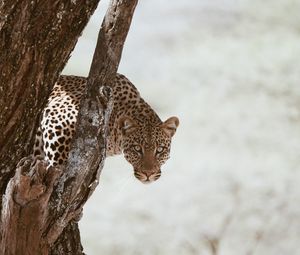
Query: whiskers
pixel 145 177
pixel 156 176
pixel 139 175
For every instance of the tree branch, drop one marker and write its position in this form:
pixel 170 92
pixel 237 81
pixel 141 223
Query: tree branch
pixel 42 205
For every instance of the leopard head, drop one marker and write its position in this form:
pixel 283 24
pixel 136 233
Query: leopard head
pixel 147 146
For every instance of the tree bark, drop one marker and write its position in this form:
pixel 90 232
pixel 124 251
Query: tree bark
pixel 37 37
pixel 41 205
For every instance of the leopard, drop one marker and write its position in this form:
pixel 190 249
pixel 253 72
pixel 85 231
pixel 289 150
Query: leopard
pixel 134 129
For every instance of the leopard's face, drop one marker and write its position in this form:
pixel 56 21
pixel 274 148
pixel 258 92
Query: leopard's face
pixel 147 147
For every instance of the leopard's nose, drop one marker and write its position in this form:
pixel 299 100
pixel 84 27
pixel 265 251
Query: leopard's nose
pixel 147 174
pixel 152 176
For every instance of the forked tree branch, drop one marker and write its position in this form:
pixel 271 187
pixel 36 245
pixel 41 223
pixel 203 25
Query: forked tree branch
pixel 42 205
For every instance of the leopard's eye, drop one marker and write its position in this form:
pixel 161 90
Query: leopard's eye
pixel 160 149
pixel 138 148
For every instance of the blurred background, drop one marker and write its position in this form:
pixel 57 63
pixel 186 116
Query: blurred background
pixel 230 70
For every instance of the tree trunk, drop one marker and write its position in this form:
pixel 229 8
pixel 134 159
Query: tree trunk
pixel 41 205
pixel 37 38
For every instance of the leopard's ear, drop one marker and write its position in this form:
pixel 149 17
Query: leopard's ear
pixel 170 126
pixel 127 125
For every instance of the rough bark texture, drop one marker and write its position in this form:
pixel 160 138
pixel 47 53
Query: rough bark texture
pixel 111 39
pixel 37 37
pixel 41 205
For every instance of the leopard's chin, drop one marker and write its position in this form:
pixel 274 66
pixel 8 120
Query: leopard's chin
pixel 147 182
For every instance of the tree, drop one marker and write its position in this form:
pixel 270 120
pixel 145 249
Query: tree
pixel 41 206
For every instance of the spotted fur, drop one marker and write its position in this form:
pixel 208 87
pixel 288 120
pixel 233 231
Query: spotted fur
pixel 134 128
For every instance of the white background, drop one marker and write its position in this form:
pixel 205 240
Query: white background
pixel 230 70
